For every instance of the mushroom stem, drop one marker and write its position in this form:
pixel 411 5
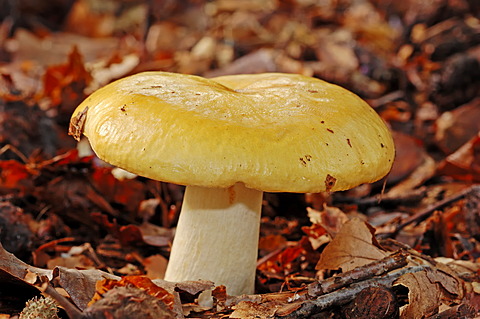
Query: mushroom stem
pixel 217 237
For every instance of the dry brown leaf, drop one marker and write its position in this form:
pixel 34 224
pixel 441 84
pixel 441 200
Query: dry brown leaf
pixel 326 224
pixel 142 282
pixel 271 243
pixel 463 164
pixel 79 261
pixel 423 296
pixel 422 173
pixel 330 218
pixel 131 301
pixel 437 285
pixel 80 284
pixel 460 266
pixel 446 275
pixel 54 48
pixel 447 281
pixel 336 49
pixel 354 246
pixel 15 267
pixel 456 127
pixel 262 60
pixel 248 309
pixel 155 266
pixel 409 154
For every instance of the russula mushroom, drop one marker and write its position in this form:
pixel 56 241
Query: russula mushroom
pixel 229 139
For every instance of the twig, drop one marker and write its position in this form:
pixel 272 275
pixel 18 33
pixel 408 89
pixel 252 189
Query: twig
pixel 411 198
pixel 427 211
pixel 387 98
pixel 72 311
pixel 340 297
pixel 376 268
pixel 15 151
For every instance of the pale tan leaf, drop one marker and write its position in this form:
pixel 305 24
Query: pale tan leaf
pixel 248 309
pixel 354 246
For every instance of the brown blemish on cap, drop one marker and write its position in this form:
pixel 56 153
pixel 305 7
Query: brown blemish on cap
pixel 305 159
pixel 330 181
pixel 77 123
pixel 348 141
pixel 231 195
pixel 331 131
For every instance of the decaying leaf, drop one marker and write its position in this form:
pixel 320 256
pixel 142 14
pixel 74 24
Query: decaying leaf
pixel 427 290
pixel 423 296
pixel 248 309
pixel 155 266
pixel 421 174
pixel 355 245
pixel 124 302
pixel 17 268
pixel 456 127
pixel 80 284
pixel 141 282
pixel 331 218
pixel 464 163
pixel 325 224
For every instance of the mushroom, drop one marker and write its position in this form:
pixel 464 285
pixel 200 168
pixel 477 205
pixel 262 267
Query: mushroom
pixel 229 139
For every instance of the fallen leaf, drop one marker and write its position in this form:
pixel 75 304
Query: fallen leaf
pixel 141 282
pixel 155 266
pixel 64 83
pixel 454 128
pixel 80 284
pixel 54 48
pixel 409 154
pixel 127 192
pixel 464 163
pixel 14 266
pixel 248 309
pixel 326 224
pixel 354 246
pixel 128 301
pixel 331 218
pixel 423 296
pixel 422 173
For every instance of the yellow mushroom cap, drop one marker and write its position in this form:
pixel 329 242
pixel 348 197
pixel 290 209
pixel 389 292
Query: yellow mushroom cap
pixel 274 132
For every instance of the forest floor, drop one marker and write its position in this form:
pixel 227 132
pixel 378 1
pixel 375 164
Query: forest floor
pixel 407 246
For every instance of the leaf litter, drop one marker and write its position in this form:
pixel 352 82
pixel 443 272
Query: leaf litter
pixel 80 234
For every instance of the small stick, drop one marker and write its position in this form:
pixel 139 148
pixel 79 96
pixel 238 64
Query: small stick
pixel 72 311
pixel 305 309
pixel 427 211
pixel 376 268
pixel 15 151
